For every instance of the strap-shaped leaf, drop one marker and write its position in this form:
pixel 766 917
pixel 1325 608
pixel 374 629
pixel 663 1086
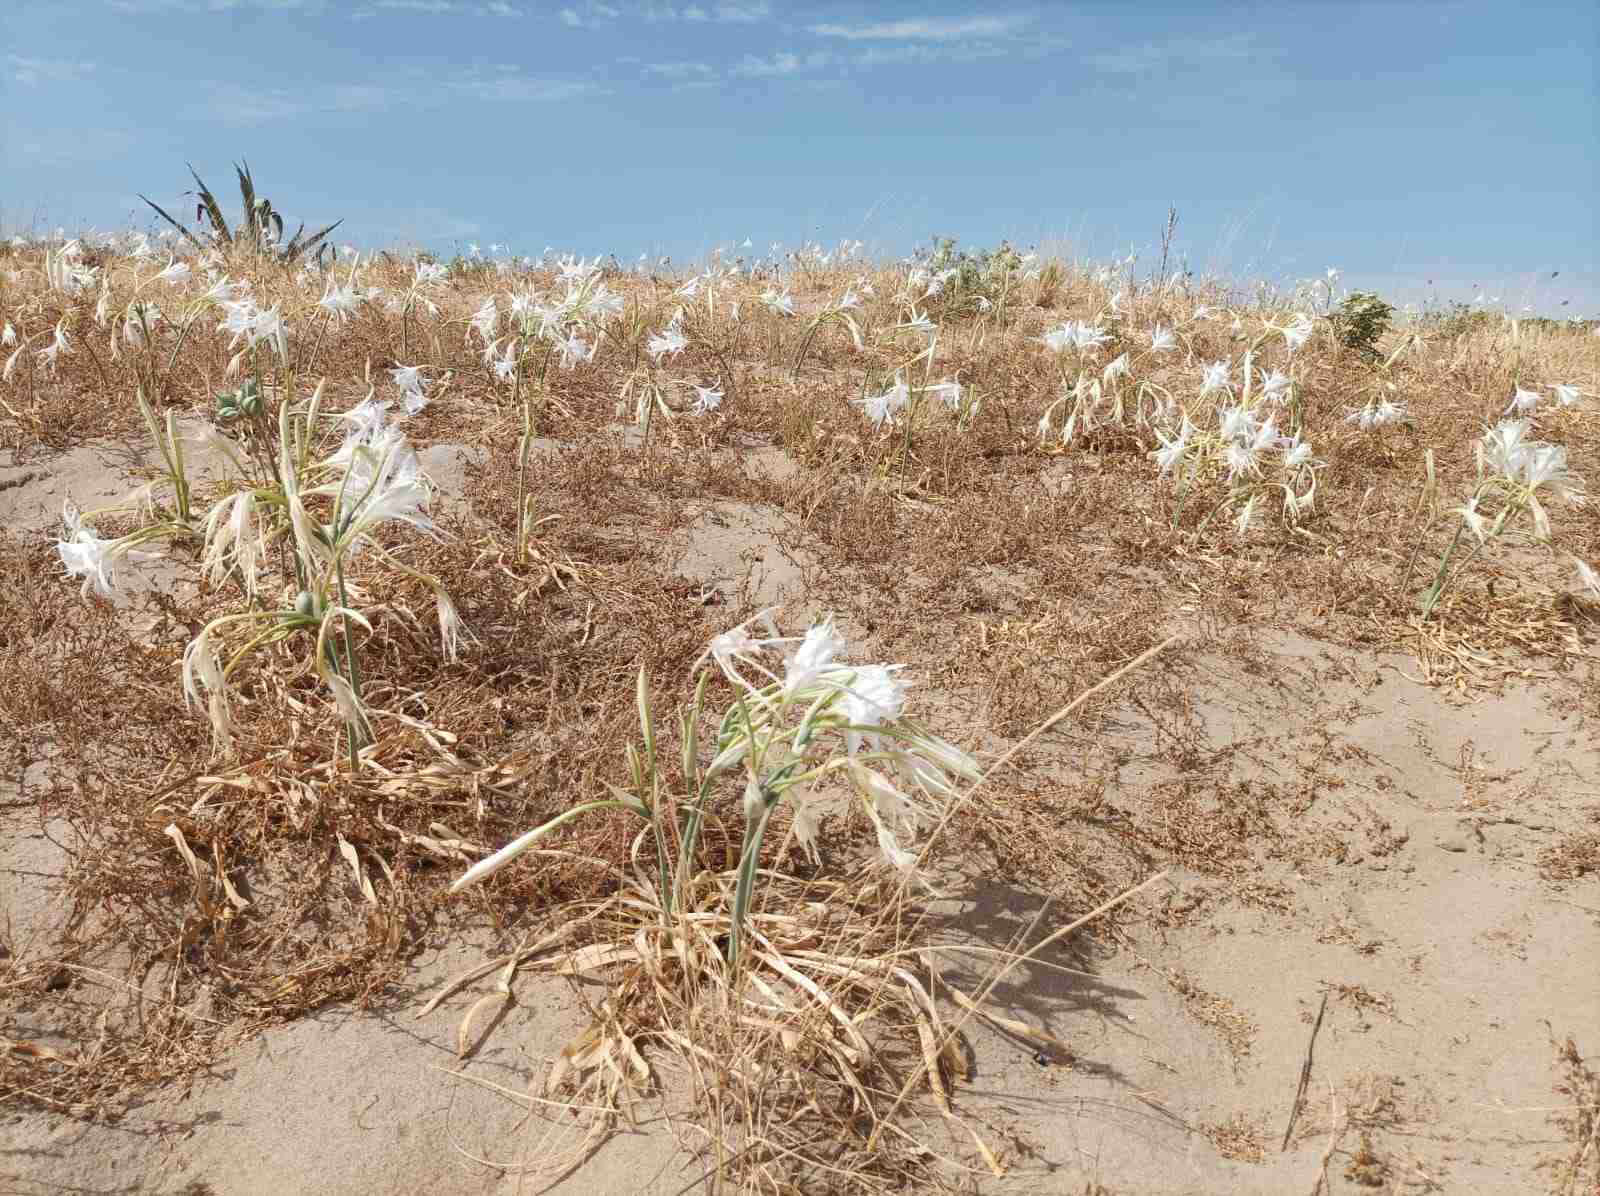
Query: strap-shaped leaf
pixel 198 244
pixel 213 210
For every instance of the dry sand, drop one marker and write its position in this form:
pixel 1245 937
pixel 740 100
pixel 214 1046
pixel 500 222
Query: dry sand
pixel 1406 886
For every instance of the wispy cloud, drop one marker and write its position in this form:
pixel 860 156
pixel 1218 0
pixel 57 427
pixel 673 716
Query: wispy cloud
pixel 241 106
pixel 752 66
pixel 520 89
pixel 139 8
pixel 598 12
pixel 777 64
pixel 1154 56
pixel 679 70
pixel 30 72
pixel 367 10
pixel 495 8
pixel 422 6
pixel 928 28
pixel 61 148
pixel 235 105
pixel 931 52
pixel 729 12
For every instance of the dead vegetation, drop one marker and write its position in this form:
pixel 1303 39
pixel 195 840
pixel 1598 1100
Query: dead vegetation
pixel 1576 1172
pixel 213 895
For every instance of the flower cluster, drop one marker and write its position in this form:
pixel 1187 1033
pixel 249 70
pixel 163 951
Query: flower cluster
pixel 902 773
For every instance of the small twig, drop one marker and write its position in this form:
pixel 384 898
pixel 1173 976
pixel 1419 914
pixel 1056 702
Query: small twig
pixel 1335 1132
pixel 1305 1074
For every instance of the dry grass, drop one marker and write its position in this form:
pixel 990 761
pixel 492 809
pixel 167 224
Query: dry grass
pixel 211 897
pixel 1576 1172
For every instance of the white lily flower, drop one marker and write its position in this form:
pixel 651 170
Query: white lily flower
pixel 485 320
pixel 1240 459
pixel 1234 423
pixel 1172 452
pixel 815 653
pixel 948 391
pixel 1474 519
pixel 737 646
pixel 1214 377
pixel 408 378
pixel 881 409
pixel 1296 452
pixel 706 399
pixel 174 272
pixel 1523 400
pixel 62 343
pixel 666 344
pixel 874 696
pixel 229 544
pixel 340 302
pixel 1297 331
pixel 86 555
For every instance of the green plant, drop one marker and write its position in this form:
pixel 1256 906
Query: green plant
pixel 370 480
pixel 260 229
pixel 1361 321
pixel 983 278
pixel 1512 471
pixel 785 735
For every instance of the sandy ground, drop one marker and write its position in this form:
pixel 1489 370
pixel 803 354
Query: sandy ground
pixel 1393 872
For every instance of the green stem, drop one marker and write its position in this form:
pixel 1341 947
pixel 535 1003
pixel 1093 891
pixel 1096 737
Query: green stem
pixel 316 348
pixel 352 673
pixel 1436 590
pixel 749 858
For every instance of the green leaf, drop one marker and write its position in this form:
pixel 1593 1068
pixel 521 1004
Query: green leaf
pixel 212 209
pixel 198 244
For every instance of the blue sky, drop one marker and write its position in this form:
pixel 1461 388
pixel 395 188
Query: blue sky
pixel 1455 142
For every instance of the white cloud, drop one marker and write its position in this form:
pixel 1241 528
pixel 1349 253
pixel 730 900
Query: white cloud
pixel 235 105
pixel 59 148
pixel 752 66
pixel 240 106
pixel 30 72
pixel 521 89
pixel 1150 56
pixel 927 28
pixel 932 52
pixel 592 13
pixel 740 12
pixel 141 8
pixel 678 70
pixel 495 8
pixel 360 97
pixel 778 64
